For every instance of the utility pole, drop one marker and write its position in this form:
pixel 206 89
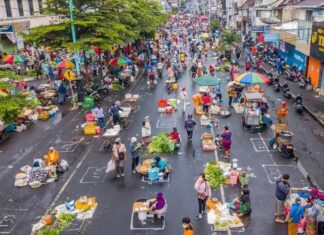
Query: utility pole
pixel 76 54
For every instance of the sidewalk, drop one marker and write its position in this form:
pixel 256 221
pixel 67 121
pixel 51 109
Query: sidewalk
pixel 312 103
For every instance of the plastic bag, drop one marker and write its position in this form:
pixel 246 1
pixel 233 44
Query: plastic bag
pixel 110 166
pixel 138 168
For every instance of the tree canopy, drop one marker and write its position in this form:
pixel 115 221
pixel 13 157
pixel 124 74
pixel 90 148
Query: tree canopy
pixel 100 23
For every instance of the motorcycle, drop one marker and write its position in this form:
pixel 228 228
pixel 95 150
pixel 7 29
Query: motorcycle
pixel 305 83
pixel 298 104
pixel 276 84
pixel 286 91
pixel 270 76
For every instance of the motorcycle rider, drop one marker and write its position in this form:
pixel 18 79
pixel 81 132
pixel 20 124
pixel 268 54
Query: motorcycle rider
pixel 190 124
pixel 159 68
pixel 151 78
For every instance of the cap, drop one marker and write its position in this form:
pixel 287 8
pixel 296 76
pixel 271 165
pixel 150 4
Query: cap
pixel 118 140
pixel 146 117
pixel 51 148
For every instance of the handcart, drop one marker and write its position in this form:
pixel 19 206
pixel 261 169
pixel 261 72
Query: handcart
pixel 285 145
pixel 131 99
pixel 127 109
pixel 110 135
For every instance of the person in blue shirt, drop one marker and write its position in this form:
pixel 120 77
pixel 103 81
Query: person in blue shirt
pixel 295 215
pixel 160 163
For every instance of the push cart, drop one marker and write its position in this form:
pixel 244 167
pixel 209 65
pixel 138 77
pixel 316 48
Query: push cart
pixel 131 100
pixel 110 135
pixel 127 109
pixel 285 145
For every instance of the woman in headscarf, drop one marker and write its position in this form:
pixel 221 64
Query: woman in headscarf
pixel 159 205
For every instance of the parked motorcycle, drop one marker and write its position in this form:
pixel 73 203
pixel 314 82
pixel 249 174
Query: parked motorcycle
pixel 286 91
pixel 298 104
pixel 276 84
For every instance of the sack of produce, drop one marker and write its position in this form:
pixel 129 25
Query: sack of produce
pixel 90 130
pixel 44 116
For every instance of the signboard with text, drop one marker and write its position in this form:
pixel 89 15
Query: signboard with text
pixel 317 41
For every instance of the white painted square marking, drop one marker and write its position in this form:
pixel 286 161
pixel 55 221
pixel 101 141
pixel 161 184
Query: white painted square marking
pixel 9 219
pixel 166 123
pixel 260 145
pixel 93 175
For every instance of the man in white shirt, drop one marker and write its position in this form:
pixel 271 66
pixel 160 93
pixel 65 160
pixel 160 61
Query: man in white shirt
pixel 100 115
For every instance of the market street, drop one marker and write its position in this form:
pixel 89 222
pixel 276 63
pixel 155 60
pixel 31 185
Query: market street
pixel 86 175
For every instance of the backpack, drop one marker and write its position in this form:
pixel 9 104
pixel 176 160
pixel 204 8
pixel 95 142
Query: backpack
pixel 190 125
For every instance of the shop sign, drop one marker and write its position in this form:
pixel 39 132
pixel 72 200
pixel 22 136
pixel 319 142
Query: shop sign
pixel 299 60
pixel 21 26
pixel 6 29
pixel 317 41
pixel 271 37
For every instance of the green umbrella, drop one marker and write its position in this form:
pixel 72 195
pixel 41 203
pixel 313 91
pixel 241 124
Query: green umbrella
pixel 207 80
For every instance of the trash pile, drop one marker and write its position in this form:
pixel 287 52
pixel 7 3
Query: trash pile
pixel 62 216
pixel 39 174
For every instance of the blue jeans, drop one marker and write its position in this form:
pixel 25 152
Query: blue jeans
pixel 101 122
pixel 202 206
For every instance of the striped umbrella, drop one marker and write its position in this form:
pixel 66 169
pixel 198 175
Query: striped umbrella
pixel 251 78
pixel 119 61
pixel 66 64
pixel 14 59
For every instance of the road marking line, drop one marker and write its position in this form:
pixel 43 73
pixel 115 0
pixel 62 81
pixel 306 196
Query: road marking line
pixel 68 181
pixel 221 186
pixel 155 229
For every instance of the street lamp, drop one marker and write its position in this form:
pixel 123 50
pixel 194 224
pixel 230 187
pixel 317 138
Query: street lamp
pixel 76 54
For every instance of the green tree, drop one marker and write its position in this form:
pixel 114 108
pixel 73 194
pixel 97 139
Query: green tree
pixel 100 23
pixel 214 25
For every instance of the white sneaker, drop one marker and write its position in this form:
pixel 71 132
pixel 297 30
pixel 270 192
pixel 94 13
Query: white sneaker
pixel 118 176
pixel 123 174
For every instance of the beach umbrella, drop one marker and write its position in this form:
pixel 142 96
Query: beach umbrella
pixel 14 59
pixel 119 61
pixel 251 78
pixel 66 64
pixel 207 80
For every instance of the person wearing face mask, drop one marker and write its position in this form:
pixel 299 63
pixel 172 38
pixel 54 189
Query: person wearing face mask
pixel 119 156
pixel 203 190
pixel 187 226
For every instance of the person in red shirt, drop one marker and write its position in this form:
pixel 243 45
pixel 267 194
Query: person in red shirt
pixel 211 69
pixel 247 66
pixel 174 135
pixel 206 101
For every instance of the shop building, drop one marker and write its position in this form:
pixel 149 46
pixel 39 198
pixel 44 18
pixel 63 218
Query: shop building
pixel 19 16
pixel 316 58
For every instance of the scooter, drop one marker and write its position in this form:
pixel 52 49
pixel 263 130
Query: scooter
pixel 276 84
pixel 270 76
pixel 299 104
pixel 286 91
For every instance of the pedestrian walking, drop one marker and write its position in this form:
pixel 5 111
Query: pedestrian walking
pixel 203 190
pixel 218 92
pixel 61 93
pixel 99 113
pixel 119 156
pixel 187 226
pixel 230 93
pixel 134 153
pixel 190 125
pixel 296 214
pixel 146 130
pixel 206 102
pixel 114 112
pixel 282 191
pixel 226 141
pixel 184 97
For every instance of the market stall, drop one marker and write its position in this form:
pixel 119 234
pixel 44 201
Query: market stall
pixel 167 105
pixel 62 217
pixel 131 99
pixel 151 173
pixel 124 114
pixel 110 135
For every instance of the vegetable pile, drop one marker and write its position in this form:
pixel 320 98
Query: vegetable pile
pixel 214 175
pixel 58 226
pixel 117 87
pixel 161 144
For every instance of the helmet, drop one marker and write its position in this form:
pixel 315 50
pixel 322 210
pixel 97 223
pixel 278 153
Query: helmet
pixel 183 88
pixel 283 104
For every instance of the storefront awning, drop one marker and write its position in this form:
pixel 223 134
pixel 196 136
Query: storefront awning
pixel 310 4
pixel 247 4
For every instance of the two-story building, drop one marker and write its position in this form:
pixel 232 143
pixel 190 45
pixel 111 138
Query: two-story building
pixel 17 16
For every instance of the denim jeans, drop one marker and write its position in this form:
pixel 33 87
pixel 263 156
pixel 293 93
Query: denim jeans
pixel 201 206
pixel 101 122
pixel 135 161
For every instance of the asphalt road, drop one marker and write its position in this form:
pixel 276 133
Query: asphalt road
pixel 86 175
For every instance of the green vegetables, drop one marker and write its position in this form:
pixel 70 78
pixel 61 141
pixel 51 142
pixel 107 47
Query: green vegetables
pixel 161 144
pixel 59 226
pixel 117 87
pixel 214 175
pixel 221 225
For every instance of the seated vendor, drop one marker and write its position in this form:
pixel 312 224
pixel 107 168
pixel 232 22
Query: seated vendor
pixel 52 157
pixel 160 163
pixel 174 135
pixel 158 205
pixel 242 204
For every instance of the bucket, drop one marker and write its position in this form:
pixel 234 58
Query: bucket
pixel 285 136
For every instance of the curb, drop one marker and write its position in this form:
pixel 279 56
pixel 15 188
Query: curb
pixel 321 122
